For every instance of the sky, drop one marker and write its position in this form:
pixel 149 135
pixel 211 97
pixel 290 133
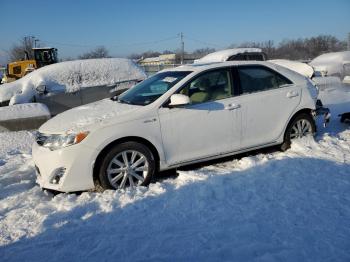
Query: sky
pixel 133 26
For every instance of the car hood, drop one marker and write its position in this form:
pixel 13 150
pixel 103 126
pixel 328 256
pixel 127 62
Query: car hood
pixel 89 117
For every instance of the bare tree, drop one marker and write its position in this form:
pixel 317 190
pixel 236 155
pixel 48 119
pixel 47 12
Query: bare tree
pixel 98 52
pixel 147 54
pixel 298 49
pixel 18 51
pixel 203 51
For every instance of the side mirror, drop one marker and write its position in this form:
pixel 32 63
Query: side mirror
pixel 179 100
pixel 41 89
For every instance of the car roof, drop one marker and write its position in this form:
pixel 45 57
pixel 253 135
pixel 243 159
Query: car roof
pixel 207 66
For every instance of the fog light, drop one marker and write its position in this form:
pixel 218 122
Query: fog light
pixel 57 175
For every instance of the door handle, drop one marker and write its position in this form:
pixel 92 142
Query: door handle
pixel 232 106
pixel 292 94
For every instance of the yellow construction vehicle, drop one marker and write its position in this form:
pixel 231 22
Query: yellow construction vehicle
pixel 42 56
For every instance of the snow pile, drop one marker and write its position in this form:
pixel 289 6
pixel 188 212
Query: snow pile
pixel 71 76
pixel 301 68
pixel 223 55
pixel 333 64
pixel 24 111
pixel 269 206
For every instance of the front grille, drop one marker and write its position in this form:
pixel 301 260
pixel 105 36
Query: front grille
pixel 5 103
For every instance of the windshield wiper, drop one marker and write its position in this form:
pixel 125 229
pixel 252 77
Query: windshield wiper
pixel 123 101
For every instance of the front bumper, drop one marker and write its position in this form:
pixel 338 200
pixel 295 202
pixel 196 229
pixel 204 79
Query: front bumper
pixel 73 163
pixel 324 111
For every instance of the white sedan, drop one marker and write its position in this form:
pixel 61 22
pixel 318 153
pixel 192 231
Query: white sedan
pixel 177 117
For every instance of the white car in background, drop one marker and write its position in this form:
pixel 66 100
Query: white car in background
pixel 335 64
pixel 177 117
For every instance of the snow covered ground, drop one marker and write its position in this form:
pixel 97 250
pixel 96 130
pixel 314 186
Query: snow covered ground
pixel 266 206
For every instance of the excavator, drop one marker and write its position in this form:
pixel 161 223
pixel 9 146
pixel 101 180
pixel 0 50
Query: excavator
pixel 42 56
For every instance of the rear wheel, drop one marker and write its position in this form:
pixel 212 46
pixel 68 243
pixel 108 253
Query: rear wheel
pixel 300 126
pixel 128 164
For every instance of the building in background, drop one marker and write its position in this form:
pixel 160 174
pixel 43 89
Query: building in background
pixel 152 65
pixel 167 59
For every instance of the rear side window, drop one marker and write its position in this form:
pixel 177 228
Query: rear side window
pixel 255 57
pixel 258 78
pixel 247 57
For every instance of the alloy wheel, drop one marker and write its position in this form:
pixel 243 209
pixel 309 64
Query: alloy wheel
pixel 301 128
pixel 127 168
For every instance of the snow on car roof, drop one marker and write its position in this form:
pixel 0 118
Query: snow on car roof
pixel 205 66
pixel 40 48
pixel 223 55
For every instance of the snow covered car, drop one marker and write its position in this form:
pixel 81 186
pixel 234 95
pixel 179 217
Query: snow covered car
pixel 69 84
pixel 177 117
pixel 234 54
pixel 333 64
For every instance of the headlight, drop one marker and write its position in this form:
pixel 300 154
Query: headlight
pixel 54 142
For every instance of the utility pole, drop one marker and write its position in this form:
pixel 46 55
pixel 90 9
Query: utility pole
pixel 36 40
pixel 182 48
pixel 349 42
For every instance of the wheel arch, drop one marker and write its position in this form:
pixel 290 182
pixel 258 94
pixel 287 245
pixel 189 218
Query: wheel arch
pixel 285 145
pixel 136 139
pixel 301 111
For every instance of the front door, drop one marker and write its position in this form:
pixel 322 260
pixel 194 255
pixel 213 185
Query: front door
pixel 209 126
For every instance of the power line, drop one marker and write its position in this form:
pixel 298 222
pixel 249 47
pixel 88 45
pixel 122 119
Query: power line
pixel 116 45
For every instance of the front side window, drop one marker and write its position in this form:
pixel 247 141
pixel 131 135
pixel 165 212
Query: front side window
pixel 210 86
pixel 256 79
pixel 152 88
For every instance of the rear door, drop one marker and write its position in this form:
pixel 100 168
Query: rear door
pixel 267 101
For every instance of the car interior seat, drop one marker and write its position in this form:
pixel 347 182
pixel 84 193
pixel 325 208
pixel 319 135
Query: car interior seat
pixel 204 91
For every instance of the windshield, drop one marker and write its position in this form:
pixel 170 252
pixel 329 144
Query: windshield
pixel 152 88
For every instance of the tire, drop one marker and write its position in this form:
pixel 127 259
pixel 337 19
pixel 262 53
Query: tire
pixel 128 164
pixel 307 126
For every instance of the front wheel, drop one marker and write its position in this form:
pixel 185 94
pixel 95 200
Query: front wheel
pixel 128 164
pixel 302 125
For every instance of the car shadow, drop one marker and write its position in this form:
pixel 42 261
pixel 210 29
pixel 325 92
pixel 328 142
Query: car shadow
pixel 274 209
pixel 173 173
